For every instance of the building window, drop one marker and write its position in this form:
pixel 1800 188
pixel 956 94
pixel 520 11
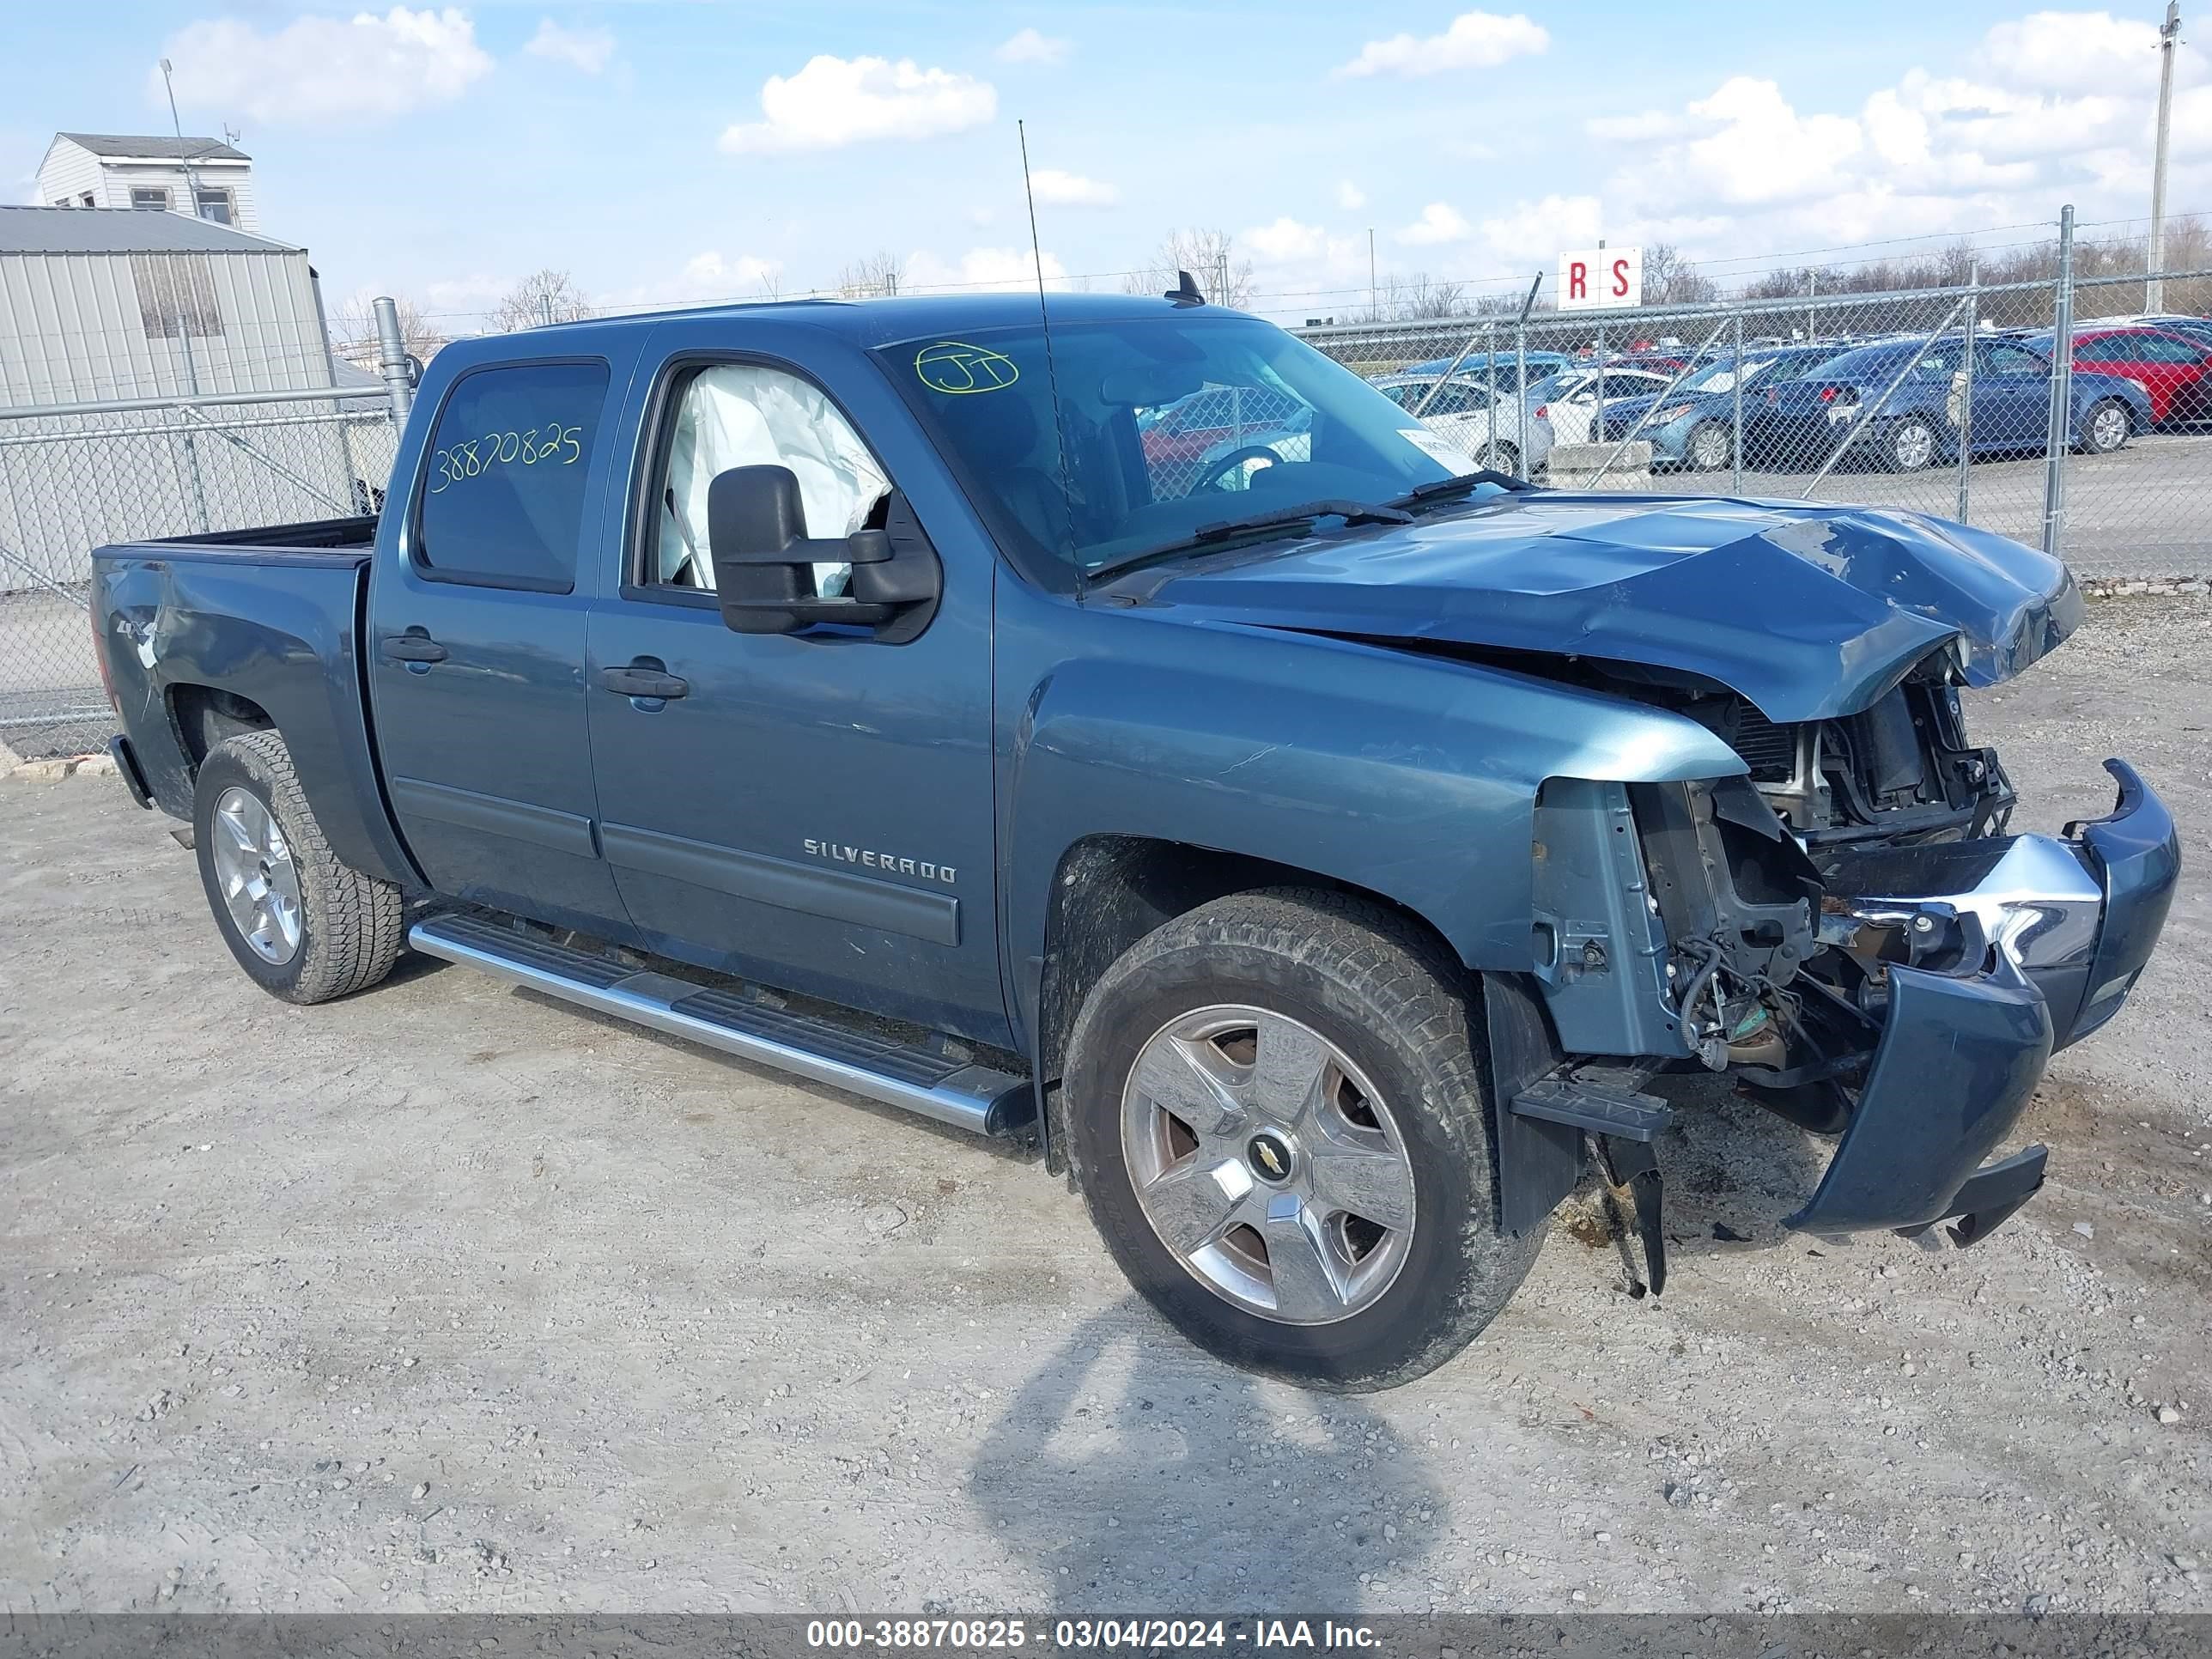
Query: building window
pixel 176 295
pixel 150 196
pixel 86 200
pixel 215 206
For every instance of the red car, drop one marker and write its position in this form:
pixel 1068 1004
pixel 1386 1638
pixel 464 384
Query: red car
pixel 2174 371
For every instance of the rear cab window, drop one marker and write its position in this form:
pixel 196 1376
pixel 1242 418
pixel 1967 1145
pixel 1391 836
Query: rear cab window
pixel 501 497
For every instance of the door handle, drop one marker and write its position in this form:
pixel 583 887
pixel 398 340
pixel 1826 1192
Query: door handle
pixel 413 647
pixel 639 681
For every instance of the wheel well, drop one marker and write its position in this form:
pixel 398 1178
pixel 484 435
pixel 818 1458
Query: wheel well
pixel 204 716
pixel 1111 891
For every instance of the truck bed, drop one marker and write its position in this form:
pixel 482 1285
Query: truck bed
pixel 317 539
pixel 204 636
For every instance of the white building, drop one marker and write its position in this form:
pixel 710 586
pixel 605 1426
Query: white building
pixel 114 309
pixel 205 178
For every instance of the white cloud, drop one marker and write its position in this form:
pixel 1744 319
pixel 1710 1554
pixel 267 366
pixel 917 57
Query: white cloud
pixel 834 101
pixel 1056 189
pixel 1439 223
pixel 1286 239
pixel 1028 46
pixel 326 69
pixel 587 49
pixel 1350 196
pixel 1537 230
pixel 710 276
pixel 994 270
pixel 1474 40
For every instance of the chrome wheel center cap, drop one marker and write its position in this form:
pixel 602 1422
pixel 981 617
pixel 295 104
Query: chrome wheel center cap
pixel 1270 1157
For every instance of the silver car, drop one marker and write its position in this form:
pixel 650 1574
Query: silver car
pixel 1502 435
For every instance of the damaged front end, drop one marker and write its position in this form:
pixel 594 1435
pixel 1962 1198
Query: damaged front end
pixel 1850 933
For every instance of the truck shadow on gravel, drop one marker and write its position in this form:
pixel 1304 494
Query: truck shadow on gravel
pixel 1140 1475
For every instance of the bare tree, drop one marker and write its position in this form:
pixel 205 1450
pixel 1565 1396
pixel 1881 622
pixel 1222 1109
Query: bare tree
pixel 879 275
pixel 1224 279
pixel 1671 280
pixel 354 333
pixel 542 297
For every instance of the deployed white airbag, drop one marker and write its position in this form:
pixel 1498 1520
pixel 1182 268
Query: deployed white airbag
pixel 740 415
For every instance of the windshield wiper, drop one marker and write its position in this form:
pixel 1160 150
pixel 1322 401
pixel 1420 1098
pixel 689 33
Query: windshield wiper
pixel 1447 489
pixel 1280 518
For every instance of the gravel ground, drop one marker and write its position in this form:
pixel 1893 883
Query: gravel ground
pixel 449 1298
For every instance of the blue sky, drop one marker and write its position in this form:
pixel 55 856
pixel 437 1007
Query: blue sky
pixel 674 152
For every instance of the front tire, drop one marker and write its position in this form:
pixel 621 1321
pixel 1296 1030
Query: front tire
pixel 1708 448
pixel 1277 1118
pixel 304 926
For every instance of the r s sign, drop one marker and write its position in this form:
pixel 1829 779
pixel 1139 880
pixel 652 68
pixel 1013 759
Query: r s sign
pixel 1600 276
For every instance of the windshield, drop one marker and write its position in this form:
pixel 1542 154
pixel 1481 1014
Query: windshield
pixel 1170 422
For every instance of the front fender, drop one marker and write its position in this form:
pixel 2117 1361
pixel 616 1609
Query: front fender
pixel 1411 777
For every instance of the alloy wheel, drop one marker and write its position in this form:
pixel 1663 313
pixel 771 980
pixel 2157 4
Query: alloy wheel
pixel 1268 1164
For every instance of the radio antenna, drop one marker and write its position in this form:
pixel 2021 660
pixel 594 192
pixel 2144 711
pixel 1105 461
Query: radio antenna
pixel 1051 367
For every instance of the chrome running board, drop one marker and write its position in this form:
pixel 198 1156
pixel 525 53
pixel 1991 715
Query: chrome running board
pixel 947 1087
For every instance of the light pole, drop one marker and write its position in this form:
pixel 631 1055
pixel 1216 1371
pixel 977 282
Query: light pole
pixel 2168 37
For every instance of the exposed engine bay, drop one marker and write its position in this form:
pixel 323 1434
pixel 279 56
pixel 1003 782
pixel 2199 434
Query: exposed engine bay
pixel 1848 931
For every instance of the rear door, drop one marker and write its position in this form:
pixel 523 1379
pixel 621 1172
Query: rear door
pixel 476 645
pixel 2012 397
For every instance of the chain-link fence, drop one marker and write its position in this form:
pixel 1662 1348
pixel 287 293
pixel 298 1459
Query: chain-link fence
pixel 80 476
pixel 1950 401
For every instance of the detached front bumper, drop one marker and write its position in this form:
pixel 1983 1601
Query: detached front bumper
pixel 2037 942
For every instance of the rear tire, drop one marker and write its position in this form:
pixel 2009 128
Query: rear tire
pixel 304 926
pixel 1909 446
pixel 2106 428
pixel 1338 1034
pixel 1501 458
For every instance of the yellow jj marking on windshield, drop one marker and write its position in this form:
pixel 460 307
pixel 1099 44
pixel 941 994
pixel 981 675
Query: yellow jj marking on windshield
pixel 950 366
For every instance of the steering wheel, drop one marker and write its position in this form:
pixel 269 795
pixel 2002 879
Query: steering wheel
pixel 1217 477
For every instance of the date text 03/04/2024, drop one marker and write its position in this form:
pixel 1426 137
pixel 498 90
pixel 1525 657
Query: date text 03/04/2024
pixel 1079 1635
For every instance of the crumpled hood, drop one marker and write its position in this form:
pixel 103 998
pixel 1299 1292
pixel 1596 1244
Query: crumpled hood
pixel 1811 611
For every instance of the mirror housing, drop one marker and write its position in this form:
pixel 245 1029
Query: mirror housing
pixel 764 559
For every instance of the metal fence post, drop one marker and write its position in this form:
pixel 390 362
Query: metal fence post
pixel 1966 392
pixel 1735 442
pixel 2058 435
pixel 1521 378
pixel 1489 366
pixel 391 360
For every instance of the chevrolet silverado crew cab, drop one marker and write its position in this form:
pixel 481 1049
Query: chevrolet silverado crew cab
pixel 1317 847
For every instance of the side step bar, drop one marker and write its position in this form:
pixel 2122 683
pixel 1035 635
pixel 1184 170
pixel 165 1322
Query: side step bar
pixel 950 1089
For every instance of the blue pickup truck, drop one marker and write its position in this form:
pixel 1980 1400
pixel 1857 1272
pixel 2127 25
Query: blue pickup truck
pixel 1317 856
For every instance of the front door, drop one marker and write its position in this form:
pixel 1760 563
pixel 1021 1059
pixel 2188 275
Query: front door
pixel 476 648
pixel 813 811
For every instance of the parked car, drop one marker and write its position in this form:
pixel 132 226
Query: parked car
pixel 1191 426
pixel 1314 864
pixel 1695 429
pixel 1505 436
pixel 1508 375
pixel 2174 369
pixel 1569 399
pixel 1917 422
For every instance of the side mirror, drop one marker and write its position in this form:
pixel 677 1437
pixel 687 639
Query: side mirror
pixel 764 560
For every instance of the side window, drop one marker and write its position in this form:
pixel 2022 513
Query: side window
pixel 747 414
pixel 2163 349
pixel 2014 361
pixel 503 489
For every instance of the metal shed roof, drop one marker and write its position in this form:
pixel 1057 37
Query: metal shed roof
pixel 167 149
pixel 122 230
